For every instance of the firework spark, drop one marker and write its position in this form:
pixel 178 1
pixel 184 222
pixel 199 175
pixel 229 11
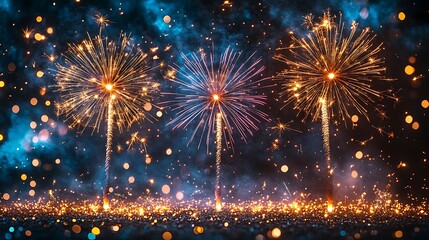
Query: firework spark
pixel 330 72
pixel 101 80
pixel 221 98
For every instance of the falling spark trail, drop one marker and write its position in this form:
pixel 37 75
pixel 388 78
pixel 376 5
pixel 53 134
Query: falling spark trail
pixel 218 160
pixel 106 204
pixel 287 189
pixel 327 151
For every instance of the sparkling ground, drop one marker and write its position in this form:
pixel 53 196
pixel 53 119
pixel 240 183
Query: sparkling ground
pixel 160 219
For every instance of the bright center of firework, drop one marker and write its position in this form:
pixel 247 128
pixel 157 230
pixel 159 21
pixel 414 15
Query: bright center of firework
pixel 216 97
pixel 218 206
pixel 331 76
pixel 109 87
pixel 330 207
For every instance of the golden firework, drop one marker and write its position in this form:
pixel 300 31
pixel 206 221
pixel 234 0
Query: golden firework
pixel 104 81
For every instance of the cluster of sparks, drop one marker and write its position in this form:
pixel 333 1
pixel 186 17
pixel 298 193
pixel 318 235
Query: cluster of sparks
pixel 220 97
pixel 228 88
pixel 102 80
pixel 330 72
pixel 332 66
pixel 98 73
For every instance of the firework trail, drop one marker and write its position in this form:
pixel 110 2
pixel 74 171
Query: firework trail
pixel 104 79
pixel 327 151
pixel 329 73
pixel 220 97
pixel 218 194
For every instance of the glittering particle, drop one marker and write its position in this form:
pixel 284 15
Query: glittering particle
pixel 359 154
pixel 40 74
pixel 159 114
pixel 276 233
pixel 165 189
pixel 35 162
pixel 15 109
pixel 425 103
pixel 357 236
pixel 33 183
pixel 91 236
pixel 409 119
pixel 11 67
pixel 76 229
pixel 23 177
pixel 284 168
pixel 409 70
pixel 354 174
pixel 39 37
pixel 126 166
pixel 33 101
pixel 6 196
pixel 95 230
pixel 399 234
pixel 167 19
pixel 401 16
pixel 167 236
pixel 31 193
pixel 179 196
pixel 198 230
pixel 259 237
pixel 131 179
pixel 147 106
pixel 44 118
pixel 148 160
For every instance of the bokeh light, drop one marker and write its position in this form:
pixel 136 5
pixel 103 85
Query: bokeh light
pixel 401 16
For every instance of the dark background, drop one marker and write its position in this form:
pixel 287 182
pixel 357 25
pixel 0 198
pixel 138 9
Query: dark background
pixel 253 170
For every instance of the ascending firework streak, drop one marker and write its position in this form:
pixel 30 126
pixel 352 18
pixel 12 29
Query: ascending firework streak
pixel 221 97
pixel 330 72
pixel 103 79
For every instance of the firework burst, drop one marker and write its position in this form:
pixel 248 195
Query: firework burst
pixel 220 98
pixel 330 72
pixel 104 81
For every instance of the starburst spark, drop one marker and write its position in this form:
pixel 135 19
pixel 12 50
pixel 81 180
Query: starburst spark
pixel 228 89
pixel 332 65
pixel 140 141
pixel 98 70
pixel 102 80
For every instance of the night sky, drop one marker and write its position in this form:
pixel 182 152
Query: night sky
pixel 39 152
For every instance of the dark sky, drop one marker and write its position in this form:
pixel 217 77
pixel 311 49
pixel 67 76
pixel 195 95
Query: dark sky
pixel 396 156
